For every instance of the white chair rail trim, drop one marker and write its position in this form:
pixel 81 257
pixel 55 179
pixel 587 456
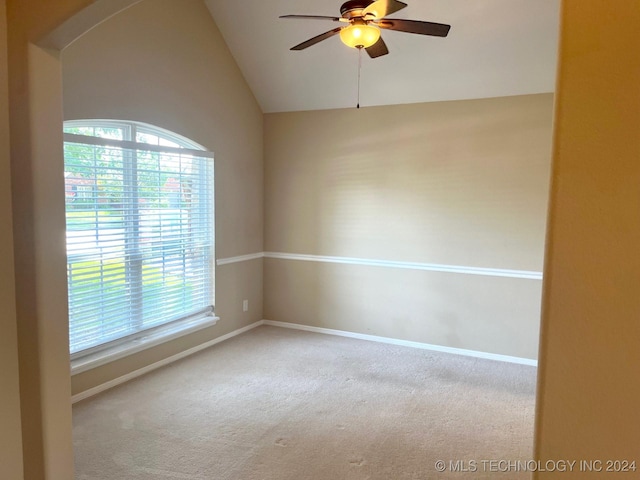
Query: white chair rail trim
pixel 238 259
pixel 431 267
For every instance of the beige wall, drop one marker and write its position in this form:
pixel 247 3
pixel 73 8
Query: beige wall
pixel 164 62
pixel 589 388
pixel 10 425
pixel 453 183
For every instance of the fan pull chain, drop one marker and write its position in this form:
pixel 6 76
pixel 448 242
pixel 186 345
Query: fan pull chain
pixel 359 69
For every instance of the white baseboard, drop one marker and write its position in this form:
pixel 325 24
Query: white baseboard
pixel 327 331
pixel 406 343
pixel 166 361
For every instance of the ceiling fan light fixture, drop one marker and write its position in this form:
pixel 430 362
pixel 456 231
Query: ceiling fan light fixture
pixel 365 18
pixel 359 35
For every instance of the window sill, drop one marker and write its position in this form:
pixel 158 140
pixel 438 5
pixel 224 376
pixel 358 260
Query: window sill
pixel 157 337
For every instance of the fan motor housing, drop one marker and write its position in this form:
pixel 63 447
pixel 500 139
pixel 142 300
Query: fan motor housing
pixel 354 6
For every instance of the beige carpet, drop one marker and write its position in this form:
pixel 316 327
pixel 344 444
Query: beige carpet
pixel 278 404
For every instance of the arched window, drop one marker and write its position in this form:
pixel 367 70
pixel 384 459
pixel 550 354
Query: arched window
pixel 140 253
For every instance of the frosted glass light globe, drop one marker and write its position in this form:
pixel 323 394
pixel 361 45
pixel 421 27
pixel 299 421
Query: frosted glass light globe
pixel 359 35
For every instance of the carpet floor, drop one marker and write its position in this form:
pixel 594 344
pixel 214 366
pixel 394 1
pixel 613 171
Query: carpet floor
pixel 279 404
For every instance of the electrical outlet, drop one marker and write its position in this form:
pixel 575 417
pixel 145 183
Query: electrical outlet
pixel 245 305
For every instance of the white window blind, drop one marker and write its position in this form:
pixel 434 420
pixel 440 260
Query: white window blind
pixel 139 234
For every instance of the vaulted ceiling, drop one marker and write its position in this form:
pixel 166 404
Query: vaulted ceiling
pixel 495 48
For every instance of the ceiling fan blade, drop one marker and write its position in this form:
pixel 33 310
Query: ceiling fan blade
pixel 382 8
pixel 378 49
pixel 313 17
pixel 317 39
pixel 415 26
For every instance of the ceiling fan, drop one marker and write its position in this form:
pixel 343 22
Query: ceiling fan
pixel 365 18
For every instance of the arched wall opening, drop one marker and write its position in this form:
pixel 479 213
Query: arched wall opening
pixel 39 32
pixel 35 112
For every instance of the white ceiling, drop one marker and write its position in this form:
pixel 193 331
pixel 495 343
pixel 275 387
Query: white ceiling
pixel 495 48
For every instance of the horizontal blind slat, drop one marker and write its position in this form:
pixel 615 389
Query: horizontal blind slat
pixel 139 237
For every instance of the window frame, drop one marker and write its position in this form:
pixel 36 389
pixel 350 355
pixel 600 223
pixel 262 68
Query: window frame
pixel 109 351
